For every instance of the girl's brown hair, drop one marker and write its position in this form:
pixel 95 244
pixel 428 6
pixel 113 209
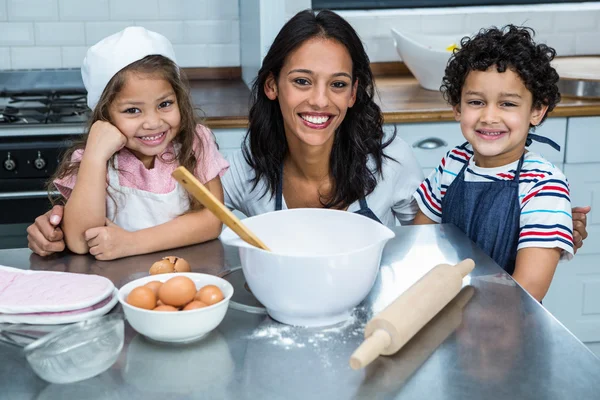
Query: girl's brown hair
pixel 158 66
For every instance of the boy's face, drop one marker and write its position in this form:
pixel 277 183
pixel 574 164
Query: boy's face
pixel 494 114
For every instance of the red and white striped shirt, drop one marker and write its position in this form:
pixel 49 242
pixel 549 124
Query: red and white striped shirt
pixel 546 219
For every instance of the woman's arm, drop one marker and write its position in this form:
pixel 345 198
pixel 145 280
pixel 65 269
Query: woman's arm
pixel 534 269
pixel 110 242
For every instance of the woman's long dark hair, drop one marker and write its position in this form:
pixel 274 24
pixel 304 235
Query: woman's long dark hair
pixel 359 136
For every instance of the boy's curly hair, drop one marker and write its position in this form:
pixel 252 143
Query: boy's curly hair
pixel 509 47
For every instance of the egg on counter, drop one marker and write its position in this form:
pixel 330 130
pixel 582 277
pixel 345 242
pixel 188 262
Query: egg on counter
pixel 169 265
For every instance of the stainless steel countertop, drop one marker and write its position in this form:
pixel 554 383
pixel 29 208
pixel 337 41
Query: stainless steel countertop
pixel 501 345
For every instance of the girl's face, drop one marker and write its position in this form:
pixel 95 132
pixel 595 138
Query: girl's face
pixel 494 113
pixel 147 113
pixel 314 90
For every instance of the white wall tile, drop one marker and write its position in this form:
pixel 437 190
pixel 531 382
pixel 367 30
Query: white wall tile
pixel 576 21
pixel 442 24
pixel 587 43
pixel 3 13
pixel 79 10
pixel 35 57
pixel 564 44
pixel 4 58
pixel 172 30
pixel 540 22
pixel 72 57
pixel 363 26
pixel 32 10
pixel 59 33
pixel 208 31
pixel 191 55
pixel 404 23
pixel 199 9
pixel 134 9
pixel 96 31
pixel 16 33
pixel 223 55
pixel 382 49
pixel 235 31
pixel 292 7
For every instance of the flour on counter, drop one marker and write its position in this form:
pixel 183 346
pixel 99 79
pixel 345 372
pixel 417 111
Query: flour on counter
pixel 298 337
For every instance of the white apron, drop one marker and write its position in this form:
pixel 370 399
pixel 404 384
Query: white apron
pixel 135 209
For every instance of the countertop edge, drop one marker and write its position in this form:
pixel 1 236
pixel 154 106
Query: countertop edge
pixel 423 116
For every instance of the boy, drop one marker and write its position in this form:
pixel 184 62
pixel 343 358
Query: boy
pixel 513 203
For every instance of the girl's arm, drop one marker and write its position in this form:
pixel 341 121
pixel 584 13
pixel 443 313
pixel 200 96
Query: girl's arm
pixel 192 228
pixel 86 206
pixel 534 269
pixel 185 230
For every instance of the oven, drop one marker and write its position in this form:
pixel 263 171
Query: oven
pixel 41 113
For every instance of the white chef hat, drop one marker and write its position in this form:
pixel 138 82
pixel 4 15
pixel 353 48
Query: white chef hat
pixel 113 53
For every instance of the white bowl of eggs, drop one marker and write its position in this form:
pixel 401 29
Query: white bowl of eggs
pixel 322 263
pixel 175 307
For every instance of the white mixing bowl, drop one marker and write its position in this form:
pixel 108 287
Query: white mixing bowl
pixel 323 263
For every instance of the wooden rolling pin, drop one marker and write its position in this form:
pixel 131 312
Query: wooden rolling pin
pixel 389 330
pixel 391 373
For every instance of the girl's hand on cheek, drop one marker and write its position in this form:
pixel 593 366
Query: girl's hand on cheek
pixel 109 242
pixel 104 140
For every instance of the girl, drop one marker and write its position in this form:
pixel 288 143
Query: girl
pixel 120 197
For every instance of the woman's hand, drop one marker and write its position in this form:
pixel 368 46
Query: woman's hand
pixel 104 140
pixel 109 242
pixel 44 236
pixel 579 225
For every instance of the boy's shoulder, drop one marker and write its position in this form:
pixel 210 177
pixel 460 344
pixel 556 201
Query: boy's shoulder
pixel 536 166
pixel 456 158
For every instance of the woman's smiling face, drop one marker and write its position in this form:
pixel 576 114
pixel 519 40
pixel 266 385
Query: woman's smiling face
pixel 314 90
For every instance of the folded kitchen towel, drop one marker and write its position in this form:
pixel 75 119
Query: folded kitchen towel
pixel 63 317
pixel 26 291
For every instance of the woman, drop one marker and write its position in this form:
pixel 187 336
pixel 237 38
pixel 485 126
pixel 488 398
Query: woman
pixel 315 136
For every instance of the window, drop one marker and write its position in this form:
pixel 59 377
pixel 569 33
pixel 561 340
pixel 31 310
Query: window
pixel 379 4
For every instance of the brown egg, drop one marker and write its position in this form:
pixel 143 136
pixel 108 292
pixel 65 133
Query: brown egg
pixel 142 297
pixel 192 305
pixel 165 308
pixel 154 285
pixel 209 294
pixel 177 291
pixel 179 264
pixel 159 303
pixel 162 267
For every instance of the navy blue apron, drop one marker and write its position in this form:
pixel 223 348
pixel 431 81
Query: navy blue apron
pixel 364 207
pixel 489 212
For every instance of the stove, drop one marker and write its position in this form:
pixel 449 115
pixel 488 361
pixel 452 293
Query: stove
pixel 41 112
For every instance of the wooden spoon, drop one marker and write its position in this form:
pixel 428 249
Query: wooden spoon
pixel 204 196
